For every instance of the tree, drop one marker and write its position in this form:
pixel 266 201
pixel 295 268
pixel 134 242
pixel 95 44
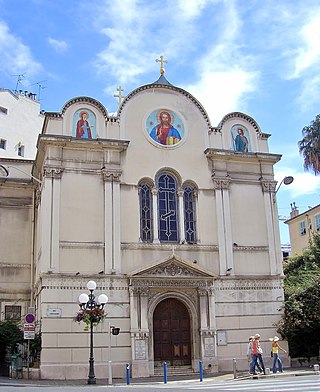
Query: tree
pixel 10 336
pixel 309 146
pixel 301 319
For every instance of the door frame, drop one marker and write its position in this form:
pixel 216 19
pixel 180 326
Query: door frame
pixel 191 304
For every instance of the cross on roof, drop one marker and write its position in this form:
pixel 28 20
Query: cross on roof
pixel 162 61
pixel 119 96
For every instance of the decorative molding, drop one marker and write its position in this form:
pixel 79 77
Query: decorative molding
pixel 154 86
pixel 81 245
pixel 53 172
pixel 250 283
pixel 268 186
pixel 153 282
pixel 110 175
pixel 88 100
pixel 15 265
pixel 172 269
pixel 238 248
pixel 221 183
pixel 140 335
pixel 237 115
pixel 66 282
pixel 207 332
pixel 205 291
pixel 164 247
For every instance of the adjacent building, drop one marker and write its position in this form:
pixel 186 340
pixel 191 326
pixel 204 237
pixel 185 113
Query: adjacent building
pixel 174 218
pixel 302 226
pixel 21 122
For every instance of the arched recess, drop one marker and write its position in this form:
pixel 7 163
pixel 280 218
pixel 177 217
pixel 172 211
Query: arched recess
pixel 182 350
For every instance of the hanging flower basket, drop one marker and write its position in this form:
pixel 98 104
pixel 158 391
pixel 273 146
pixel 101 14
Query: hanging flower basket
pixel 96 315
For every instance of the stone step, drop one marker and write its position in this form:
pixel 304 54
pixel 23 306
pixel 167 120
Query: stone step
pixel 175 371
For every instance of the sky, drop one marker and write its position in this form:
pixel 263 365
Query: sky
pixel 259 57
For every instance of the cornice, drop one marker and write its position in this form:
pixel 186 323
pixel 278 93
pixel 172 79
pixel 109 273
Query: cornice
pixel 179 90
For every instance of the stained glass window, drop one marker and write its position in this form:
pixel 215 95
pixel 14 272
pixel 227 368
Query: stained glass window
pixel 167 208
pixel 189 214
pixel 146 232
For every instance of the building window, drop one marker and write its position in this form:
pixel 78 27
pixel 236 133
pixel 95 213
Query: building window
pixel 167 208
pixel 309 224
pixel 20 151
pixel 3 144
pixel 146 223
pixel 303 228
pixel 317 219
pixel 3 110
pixel 189 214
pixel 12 312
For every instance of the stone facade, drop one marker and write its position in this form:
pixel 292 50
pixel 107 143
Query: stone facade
pixel 85 221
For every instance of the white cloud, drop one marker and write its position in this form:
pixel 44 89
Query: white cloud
pixel 16 58
pixel 223 92
pixel 305 183
pixel 227 76
pixel 58 45
pixel 308 54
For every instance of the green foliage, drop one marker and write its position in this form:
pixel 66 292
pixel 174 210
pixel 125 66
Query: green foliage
pixel 10 336
pixel 302 301
pixel 309 146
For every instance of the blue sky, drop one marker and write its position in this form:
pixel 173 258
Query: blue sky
pixel 253 56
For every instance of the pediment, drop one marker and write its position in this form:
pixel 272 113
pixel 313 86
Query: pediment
pixel 173 267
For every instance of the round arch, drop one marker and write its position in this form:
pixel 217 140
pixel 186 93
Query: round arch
pixel 191 306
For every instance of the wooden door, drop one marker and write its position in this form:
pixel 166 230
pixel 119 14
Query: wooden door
pixel 171 331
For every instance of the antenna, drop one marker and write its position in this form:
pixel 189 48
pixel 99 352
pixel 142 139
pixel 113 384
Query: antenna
pixel 40 87
pixel 20 77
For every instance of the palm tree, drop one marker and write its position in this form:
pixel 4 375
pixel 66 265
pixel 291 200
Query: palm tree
pixel 309 146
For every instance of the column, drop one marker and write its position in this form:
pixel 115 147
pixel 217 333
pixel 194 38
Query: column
pixel 207 325
pixel 112 221
pixel 196 211
pixel 181 216
pixel 155 215
pixel 268 188
pixel 45 225
pixel 221 186
pixel 55 237
pixel 228 230
pixel 139 330
pixel 50 213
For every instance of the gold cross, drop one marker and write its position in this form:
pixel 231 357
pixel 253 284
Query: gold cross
pixel 162 62
pixel 119 96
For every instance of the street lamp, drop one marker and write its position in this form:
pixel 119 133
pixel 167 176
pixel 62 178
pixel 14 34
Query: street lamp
pixel 89 304
pixel 287 180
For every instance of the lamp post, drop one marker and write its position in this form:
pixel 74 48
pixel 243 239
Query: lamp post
pixel 287 180
pixel 88 303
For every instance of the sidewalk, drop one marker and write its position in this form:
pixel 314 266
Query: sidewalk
pixel 156 380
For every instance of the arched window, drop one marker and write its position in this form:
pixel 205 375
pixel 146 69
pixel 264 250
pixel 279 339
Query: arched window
pixel 146 229
pixel 167 208
pixel 189 205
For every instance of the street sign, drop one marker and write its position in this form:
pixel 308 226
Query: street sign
pixel 28 331
pixel 30 318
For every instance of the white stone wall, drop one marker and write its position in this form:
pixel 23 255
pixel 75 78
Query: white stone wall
pixel 20 124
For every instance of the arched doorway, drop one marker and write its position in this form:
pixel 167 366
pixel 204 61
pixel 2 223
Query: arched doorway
pixel 171 332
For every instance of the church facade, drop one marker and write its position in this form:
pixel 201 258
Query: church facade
pixel 174 219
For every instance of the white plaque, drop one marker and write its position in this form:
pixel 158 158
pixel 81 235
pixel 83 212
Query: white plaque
pixel 53 312
pixel 140 349
pixel 209 347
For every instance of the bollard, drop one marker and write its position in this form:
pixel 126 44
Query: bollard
pixel 316 368
pixel 128 373
pixel 200 370
pixel 234 368
pixel 165 372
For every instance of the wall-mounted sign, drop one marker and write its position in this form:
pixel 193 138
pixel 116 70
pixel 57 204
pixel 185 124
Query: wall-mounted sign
pixel 53 312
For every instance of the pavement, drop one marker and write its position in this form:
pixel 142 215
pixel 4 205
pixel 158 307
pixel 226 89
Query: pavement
pixel 220 377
